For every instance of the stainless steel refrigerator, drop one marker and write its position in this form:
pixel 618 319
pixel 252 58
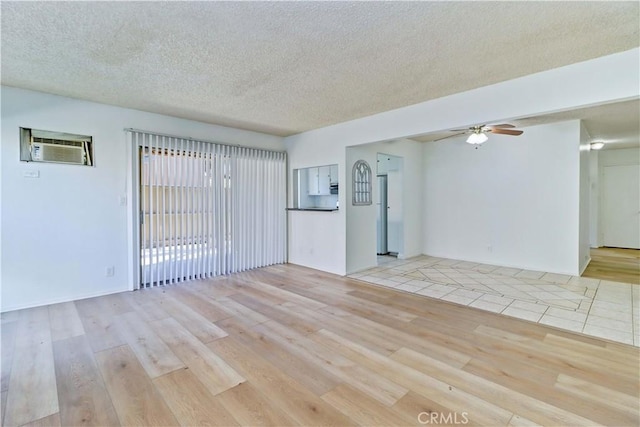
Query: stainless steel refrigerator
pixel 382 215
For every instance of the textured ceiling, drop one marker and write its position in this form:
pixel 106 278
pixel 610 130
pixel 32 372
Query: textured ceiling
pixel 287 67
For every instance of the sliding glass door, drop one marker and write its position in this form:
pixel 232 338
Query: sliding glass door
pixel 208 209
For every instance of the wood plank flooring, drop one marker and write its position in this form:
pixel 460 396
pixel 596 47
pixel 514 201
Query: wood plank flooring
pixel 615 264
pixel 286 345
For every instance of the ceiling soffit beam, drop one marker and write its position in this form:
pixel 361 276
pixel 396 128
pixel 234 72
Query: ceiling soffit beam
pixel 611 78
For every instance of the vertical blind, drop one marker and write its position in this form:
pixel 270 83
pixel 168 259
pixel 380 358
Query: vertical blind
pixel 208 209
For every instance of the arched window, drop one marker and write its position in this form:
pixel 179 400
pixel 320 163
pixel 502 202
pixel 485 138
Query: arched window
pixel 361 183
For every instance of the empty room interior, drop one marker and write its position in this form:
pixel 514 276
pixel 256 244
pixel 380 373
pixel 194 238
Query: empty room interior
pixel 320 213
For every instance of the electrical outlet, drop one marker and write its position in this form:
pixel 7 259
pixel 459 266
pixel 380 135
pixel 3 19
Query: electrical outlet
pixel 110 271
pixel 123 200
pixel 490 248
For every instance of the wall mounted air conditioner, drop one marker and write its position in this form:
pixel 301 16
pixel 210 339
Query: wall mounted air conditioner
pixel 55 147
pixel 43 152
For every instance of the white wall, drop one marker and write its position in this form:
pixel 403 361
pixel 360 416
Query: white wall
pixel 512 202
pixel 607 79
pixel 361 220
pixel 584 254
pixel 61 231
pixel 315 240
pixel 620 157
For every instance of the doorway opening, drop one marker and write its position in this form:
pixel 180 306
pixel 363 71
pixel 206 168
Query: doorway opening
pixel 614 264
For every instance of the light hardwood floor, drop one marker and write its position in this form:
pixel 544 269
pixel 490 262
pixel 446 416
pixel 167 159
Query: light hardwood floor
pixel 285 345
pixel 615 264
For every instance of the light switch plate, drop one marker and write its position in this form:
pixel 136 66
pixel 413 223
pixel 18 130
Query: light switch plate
pixel 31 174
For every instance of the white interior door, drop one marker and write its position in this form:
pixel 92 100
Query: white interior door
pixel 621 206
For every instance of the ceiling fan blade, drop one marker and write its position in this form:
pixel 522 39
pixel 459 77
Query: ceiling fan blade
pixel 505 125
pixel 507 132
pixel 459 130
pixel 450 136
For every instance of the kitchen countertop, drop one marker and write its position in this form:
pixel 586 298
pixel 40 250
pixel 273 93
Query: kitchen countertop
pixel 314 209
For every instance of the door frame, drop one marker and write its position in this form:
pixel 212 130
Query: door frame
pixel 133 217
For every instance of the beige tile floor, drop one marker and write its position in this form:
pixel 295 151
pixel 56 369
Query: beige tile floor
pixel 593 307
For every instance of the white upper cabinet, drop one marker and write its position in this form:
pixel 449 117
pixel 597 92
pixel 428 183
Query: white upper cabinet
pixel 313 181
pixel 319 181
pixel 324 180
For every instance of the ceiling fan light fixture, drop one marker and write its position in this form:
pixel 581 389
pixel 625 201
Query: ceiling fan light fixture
pixel 477 138
pixel 597 145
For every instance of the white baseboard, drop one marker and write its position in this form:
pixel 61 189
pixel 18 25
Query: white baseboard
pixel 61 300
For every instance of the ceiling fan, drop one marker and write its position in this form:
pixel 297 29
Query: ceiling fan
pixel 478 134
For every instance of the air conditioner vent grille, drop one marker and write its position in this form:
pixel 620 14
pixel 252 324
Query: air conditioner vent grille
pixel 42 152
pixel 58 141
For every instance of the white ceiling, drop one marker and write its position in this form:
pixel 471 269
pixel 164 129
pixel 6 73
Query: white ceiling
pixel 617 124
pixel 287 67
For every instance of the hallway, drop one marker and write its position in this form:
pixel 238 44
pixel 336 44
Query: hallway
pixel 615 264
